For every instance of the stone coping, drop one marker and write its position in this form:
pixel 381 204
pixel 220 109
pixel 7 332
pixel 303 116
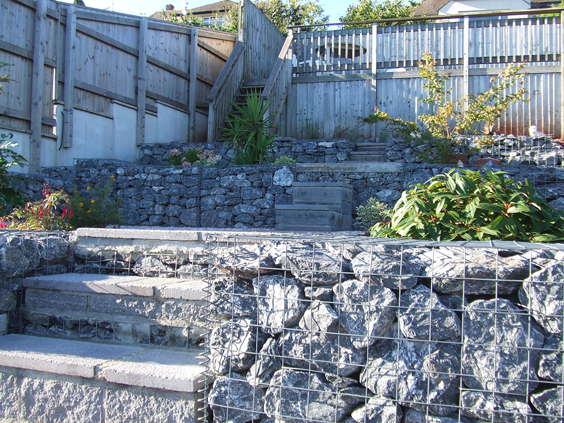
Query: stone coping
pixel 120 285
pixel 127 365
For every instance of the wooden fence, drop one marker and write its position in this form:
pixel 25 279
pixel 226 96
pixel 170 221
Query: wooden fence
pixel 87 59
pixel 341 74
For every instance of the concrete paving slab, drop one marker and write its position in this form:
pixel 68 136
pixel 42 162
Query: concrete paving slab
pixel 377 167
pixel 186 290
pixel 101 284
pixel 171 370
pixel 59 356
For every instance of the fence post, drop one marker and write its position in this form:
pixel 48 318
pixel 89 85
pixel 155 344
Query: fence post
pixel 466 82
pixel 374 68
pixel 70 60
pixel 240 22
pixel 141 81
pixel 192 84
pixel 38 69
pixel 561 75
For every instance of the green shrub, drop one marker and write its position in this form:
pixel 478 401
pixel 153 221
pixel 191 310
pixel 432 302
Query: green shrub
pixel 97 209
pixel 250 127
pixel 372 213
pixel 10 195
pixel 192 156
pixel 467 205
pixel 284 161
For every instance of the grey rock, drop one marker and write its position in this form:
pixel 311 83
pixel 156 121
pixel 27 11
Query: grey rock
pixel 321 293
pixel 366 311
pixel 7 300
pixel 495 355
pixel 386 269
pixel 189 218
pixel 298 396
pixel 233 346
pixel 557 204
pixel 232 298
pixel 19 255
pixel 549 403
pixel 319 318
pixel 233 399
pixel 210 219
pixel 495 407
pixel 268 361
pixel 455 302
pixel 245 261
pixel 474 271
pixel 333 354
pixel 52 248
pixel 152 267
pixel 421 315
pixel 388 196
pixel 415 373
pixel 192 271
pixel 281 302
pixel 542 293
pixel 414 416
pixel 312 267
pixel 551 356
pixel 378 410
pixel 283 177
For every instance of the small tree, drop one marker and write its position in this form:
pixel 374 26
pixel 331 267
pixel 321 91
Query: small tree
pixel 366 10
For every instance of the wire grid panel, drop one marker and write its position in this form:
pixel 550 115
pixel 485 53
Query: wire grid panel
pixel 369 330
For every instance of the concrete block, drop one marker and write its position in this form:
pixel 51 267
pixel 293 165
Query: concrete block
pixel 4 322
pixel 149 406
pixel 183 312
pixel 171 370
pixel 9 396
pixel 366 167
pixel 56 401
pixel 313 216
pixel 72 358
pixel 124 306
pixel 101 284
pixel 187 290
pixel 40 299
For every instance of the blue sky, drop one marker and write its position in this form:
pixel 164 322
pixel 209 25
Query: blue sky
pixel 334 8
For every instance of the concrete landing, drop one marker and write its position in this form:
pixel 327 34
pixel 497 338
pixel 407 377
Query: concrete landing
pixel 127 365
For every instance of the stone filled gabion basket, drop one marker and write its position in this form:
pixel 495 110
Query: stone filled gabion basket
pixel 350 330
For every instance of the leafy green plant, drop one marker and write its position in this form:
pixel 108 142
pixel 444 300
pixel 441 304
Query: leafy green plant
pixel 98 208
pixel 449 118
pixel 372 213
pixel 5 77
pixel 250 127
pixel 10 195
pixel 51 213
pixel 467 205
pixel 313 130
pixel 284 161
pixel 367 10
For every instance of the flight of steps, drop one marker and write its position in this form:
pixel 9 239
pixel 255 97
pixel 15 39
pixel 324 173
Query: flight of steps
pixel 369 152
pixel 103 348
pixel 317 206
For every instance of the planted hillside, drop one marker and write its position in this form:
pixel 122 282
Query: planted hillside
pixel 467 205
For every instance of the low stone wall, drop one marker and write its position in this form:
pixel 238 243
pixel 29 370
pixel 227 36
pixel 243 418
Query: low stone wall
pixel 347 331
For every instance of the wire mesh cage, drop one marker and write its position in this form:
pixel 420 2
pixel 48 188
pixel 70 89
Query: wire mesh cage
pixel 342 329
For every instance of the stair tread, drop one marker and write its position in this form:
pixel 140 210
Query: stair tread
pixel 128 365
pixel 307 207
pixel 187 289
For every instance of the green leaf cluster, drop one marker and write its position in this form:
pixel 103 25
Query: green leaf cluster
pixel 468 205
pixel 10 195
pixel 372 213
pixel 367 10
pixel 285 13
pixel 5 77
pixel 250 127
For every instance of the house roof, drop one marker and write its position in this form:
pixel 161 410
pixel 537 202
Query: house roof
pixel 220 6
pixel 432 7
pixel 429 7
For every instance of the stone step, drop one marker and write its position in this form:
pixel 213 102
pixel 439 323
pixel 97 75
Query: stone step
pixel 76 381
pixel 330 193
pixel 381 146
pixel 127 309
pixel 311 216
pixel 367 156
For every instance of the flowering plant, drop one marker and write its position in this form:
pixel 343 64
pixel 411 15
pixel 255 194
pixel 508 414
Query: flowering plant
pixel 98 208
pixel 192 157
pixel 51 213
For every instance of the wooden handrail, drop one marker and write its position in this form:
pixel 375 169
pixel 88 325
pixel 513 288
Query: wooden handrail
pixel 277 66
pixel 220 82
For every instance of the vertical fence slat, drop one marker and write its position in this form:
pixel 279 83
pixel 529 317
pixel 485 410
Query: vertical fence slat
pixel 192 84
pixel 141 81
pixel 39 47
pixel 70 60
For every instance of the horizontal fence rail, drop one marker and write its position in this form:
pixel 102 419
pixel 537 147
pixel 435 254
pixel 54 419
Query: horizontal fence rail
pixel 378 66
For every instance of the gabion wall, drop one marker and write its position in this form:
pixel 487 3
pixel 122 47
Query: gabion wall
pixel 364 330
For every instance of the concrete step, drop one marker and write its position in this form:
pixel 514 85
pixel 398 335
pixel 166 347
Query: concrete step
pixel 126 309
pixel 314 217
pixel 371 146
pixel 376 167
pixel 75 381
pixel 330 193
pixel 367 156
